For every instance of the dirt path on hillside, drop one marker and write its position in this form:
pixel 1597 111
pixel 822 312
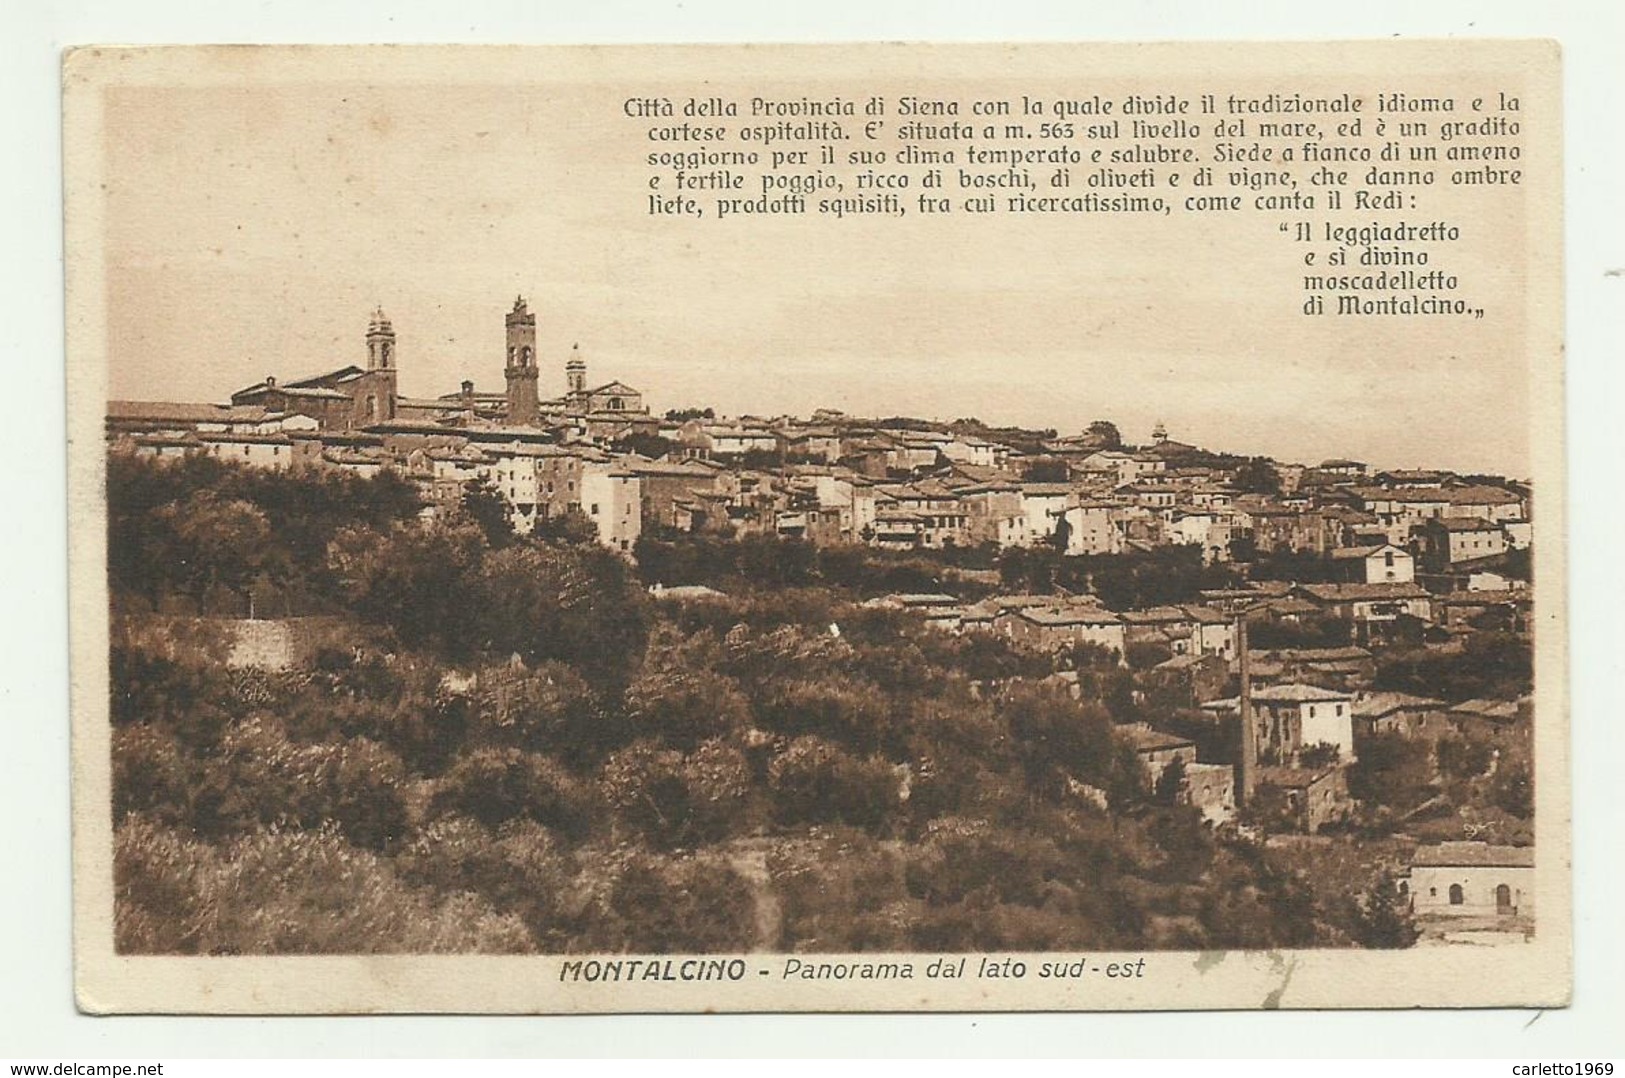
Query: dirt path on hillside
pixel 751 862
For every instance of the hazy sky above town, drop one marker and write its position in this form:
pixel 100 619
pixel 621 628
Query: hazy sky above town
pixel 250 230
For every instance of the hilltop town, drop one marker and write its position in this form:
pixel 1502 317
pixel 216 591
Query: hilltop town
pixel 1375 625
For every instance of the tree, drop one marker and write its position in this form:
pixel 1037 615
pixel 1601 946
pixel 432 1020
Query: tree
pixel 1320 754
pixel 571 528
pixel 1058 738
pixel 497 785
pixel 1061 538
pixel 578 605
pixel 1512 790
pixel 1490 664
pixel 816 781
pixel 1383 920
pixel 1392 770
pixel 1045 470
pixel 1171 783
pixel 219 542
pixel 415 580
pixel 488 509
pixel 1460 758
pixel 1106 433
pixel 646 445
pixel 1258 476
pixel 675 799
pixel 683 708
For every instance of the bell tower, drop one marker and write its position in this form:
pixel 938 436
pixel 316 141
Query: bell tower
pixel 380 342
pixel 521 368
pixel 575 372
pixel 378 385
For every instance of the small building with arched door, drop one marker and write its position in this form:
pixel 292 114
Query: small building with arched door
pixel 1472 879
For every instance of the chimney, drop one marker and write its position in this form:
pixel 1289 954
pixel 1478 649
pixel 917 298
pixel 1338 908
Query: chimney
pixel 270 381
pixel 1244 708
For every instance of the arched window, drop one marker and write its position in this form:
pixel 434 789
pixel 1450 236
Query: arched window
pixel 524 357
pixel 1503 898
pixel 1457 895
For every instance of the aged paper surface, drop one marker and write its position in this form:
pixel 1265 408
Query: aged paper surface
pixel 985 430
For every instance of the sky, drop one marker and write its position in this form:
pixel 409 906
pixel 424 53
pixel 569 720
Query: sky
pixel 255 217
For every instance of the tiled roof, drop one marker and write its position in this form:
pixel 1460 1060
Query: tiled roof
pixel 184 412
pixel 1355 592
pixel 1145 739
pixel 1473 855
pixel 1493 710
pixel 1071 615
pixel 1464 524
pixel 1479 495
pixel 1386 703
pixel 1291 777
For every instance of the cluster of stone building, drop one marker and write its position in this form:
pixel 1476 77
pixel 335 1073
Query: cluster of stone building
pixel 829 478
pixel 1311 708
pixel 1409 546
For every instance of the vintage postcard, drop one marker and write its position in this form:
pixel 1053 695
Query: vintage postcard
pixel 817 528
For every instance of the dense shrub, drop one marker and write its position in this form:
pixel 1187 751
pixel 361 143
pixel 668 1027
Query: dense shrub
pixel 674 799
pixel 841 891
pixel 502 744
pixel 524 870
pixel 656 904
pixel 815 781
pixel 550 709
pixel 276 892
pixel 494 786
pixel 1392 770
pixel 683 708
pixel 848 710
pixel 259 777
pixel 1495 665
pixel 151 774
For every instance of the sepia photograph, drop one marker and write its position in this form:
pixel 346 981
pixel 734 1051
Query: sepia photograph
pixel 809 528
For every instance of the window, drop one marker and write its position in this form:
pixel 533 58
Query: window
pixel 1457 895
pixel 594 508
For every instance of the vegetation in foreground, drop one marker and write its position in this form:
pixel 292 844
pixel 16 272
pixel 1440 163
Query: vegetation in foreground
pixel 507 746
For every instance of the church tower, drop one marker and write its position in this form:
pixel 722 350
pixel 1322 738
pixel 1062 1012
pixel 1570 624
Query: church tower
pixel 378 386
pixel 521 369
pixel 575 373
